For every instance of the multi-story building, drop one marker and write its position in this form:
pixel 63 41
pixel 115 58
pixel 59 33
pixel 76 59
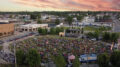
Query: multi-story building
pixel 31 27
pixel 6 29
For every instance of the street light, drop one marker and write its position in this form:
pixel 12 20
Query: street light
pixel 15 53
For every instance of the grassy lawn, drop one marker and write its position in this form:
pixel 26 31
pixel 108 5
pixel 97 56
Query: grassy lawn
pixel 90 28
pixel 94 28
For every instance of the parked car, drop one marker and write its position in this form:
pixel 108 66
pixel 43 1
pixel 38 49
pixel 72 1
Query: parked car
pixel 1 42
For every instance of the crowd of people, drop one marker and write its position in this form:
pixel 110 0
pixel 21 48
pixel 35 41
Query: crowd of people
pixel 49 45
pixel 8 57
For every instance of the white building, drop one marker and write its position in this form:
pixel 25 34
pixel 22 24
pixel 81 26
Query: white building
pixel 61 24
pixel 89 19
pixel 32 27
pixel 77 24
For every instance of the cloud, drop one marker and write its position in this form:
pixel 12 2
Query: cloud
pixel 73 5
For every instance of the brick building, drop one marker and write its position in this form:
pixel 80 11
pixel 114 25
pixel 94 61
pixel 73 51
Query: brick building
pixel 6 29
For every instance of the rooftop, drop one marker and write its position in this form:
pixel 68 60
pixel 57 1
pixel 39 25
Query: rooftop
pixel 34 25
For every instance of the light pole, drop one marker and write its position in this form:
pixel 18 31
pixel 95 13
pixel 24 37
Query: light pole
pixel 15 53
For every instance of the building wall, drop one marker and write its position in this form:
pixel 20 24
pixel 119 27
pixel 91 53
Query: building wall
pixel 6 29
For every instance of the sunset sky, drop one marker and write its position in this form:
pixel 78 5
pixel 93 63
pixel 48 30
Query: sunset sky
pixel 59 5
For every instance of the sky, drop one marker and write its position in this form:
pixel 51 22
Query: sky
pixel 59 5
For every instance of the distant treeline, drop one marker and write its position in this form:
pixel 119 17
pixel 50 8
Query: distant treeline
pixel 61 12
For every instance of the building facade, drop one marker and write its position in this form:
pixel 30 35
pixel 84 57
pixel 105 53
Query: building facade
pixel 31 27
pixel 6 29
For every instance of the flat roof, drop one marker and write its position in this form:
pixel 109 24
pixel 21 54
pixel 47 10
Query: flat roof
pixel 33 25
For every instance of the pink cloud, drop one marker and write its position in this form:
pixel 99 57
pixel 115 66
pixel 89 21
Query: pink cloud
pixel 74 5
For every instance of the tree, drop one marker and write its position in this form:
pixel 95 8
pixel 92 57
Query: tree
pixel 39 21
pixel 59 29
pixel 90 35
pixel 44 31
pixel 106 36
pixel 110 37
pixel 82 30
pixel 76 62
pixel 57 21
pixel 33 58
pixel 114 37
pixel 80 18
pixel 59 61
pixel 93 35
pixel 33 16
pixel 69 19
pixel 103 60
pixel 56 30
pixel 115 58
pixel 96 34
pixel 52 31
pixel 20 56
pixel 40 30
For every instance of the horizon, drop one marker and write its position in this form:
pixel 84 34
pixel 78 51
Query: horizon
pixel 59 5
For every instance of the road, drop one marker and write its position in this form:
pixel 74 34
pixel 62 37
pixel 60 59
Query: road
pixel 116 24
pixel 7 43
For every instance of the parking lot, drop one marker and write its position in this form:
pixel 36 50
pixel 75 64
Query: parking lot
pixel 10 39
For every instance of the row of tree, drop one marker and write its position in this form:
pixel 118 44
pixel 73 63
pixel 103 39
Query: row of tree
pixel 110 37
pixel 69 19
pixel 52 31
pixel 104 18
pixel 30 58
pixel 106 60
pixel 106 36
pixel 61 61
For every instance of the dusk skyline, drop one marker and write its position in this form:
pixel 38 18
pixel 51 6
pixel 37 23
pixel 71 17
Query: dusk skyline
pixel 60 5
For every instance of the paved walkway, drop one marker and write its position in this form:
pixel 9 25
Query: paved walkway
pixel 7 50
pixel 2 61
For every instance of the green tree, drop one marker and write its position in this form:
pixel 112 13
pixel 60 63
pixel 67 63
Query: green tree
pixel 90 35
pixel 69 19
pixel 96 34
pixel 103 60
pixel 57 21
pixel 39 21
pixel 76 62
pixel 59 29
pixel 80 18
pixel 93 35
pixel 115 59
pixel 114 37
pixel 44 31
pixel 20 57
pixel 52 31
pixel 82 30
pixel 60 61
pixel 56 30
pixel 33 58
pixel 33 16
pixel 40 30
pixel 106 36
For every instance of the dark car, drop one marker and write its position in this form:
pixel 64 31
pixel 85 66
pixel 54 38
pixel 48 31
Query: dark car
pixel 1 42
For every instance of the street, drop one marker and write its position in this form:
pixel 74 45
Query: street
pixel 116 25
pixel 11 39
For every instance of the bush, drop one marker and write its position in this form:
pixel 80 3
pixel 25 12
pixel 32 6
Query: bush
pixel 103 60
pixel 42 31
pixel 59 61
pixel 76 62
pixel 115 59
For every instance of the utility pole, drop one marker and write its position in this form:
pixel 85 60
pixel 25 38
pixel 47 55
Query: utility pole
pixel 15 54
